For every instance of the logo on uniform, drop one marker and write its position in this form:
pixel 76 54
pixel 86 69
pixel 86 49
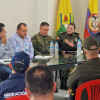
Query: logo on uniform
pixel 92 22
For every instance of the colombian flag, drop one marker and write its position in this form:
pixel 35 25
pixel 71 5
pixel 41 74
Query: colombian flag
pixel 91 18
pixel 64 16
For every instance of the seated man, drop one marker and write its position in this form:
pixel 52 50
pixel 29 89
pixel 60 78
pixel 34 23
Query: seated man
pixel 68 40
pixel 22 40
pixel 97 35
pixel 88 71
pixel 15 84
pixel 6 52
pixel 41 41
pixel 39 83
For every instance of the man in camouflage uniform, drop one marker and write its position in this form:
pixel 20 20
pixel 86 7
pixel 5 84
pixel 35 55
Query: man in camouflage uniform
pixel 68 40
pixel 41 41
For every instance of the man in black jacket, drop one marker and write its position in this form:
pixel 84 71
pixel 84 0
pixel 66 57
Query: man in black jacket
pixel 88 71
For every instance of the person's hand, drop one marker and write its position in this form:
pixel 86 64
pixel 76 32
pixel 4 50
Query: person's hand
pixel 3 40
pixel 67 55
pixel 99 48
pixel 69 91
pixel 63 52
pixel 70 43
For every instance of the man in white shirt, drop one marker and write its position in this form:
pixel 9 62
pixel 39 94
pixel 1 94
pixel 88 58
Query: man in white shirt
pixel 21 39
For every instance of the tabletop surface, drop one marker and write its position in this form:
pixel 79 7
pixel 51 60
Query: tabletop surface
pixel 55 63
pixel 61 61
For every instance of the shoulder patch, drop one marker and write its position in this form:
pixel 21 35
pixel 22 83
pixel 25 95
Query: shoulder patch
pixel 76 33
pixel 57 38
pixel 76 39
pixel 73 70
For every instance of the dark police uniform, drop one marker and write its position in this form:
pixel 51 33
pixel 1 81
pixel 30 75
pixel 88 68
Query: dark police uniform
pixel 83 73
pixel 65 47
pixel 70 37
pixel 88 71
pixel 13 86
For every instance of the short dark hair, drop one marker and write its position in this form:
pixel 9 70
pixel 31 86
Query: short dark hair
pixel 44 24
pixel 16 67
pixel 39 80
pixel 20 24
pixel 1 25
pixel 72 25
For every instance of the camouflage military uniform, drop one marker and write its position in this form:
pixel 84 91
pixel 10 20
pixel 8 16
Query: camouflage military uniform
pixel 41 44
pixel 63 46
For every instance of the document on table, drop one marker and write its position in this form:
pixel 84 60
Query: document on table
pixel 5 61
pixel 43 57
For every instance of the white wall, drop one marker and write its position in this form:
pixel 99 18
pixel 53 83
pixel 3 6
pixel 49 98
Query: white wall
pixel 33 12
pixel 16 11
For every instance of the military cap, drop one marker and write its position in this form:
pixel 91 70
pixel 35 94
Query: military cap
pixel 22 60
pixel 90 43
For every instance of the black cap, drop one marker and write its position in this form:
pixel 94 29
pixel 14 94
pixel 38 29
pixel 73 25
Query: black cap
pixel 90 43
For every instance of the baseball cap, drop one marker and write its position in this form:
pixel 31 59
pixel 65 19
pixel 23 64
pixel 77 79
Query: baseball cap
pixel 20 61
pixel 90 43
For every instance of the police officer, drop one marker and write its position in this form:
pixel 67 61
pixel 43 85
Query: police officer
pixel 88 71
pixel 41 41
pixel 68 40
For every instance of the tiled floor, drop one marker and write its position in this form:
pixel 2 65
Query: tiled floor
pixel 61 95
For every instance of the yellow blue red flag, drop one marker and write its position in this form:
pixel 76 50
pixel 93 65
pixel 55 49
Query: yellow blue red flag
pixel 64 16
pixel 91 18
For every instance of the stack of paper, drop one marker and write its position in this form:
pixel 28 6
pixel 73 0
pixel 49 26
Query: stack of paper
pixel 43 57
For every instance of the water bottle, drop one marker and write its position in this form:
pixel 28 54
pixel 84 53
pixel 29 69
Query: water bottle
pixel 79 46
pixel 56 49
pixel 26 48
pixel 17 48
pixel 51 49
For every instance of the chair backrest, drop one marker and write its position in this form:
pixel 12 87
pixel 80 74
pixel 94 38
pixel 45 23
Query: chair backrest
pixel 92 88
pixel 21 97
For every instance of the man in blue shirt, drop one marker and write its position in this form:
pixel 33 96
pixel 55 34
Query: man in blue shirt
pixel 6 52
pixel 22 39
pixel 97 35
pixel 15 84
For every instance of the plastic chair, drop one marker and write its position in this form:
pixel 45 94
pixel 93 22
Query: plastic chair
pixel 92 88
pixel 21 97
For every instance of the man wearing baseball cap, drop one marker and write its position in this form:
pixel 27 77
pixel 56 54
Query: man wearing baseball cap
pixel 15 84
pixel 88 71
